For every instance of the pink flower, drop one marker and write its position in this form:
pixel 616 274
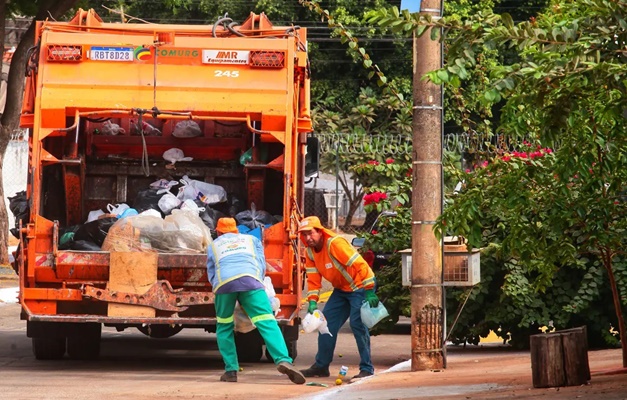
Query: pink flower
pixel 467 171
pixel 374 232
pixel 484 164
pixel 506 158
pixel 373 162
pixel 389 161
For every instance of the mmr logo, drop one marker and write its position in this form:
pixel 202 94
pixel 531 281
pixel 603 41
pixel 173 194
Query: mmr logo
pixel 227 55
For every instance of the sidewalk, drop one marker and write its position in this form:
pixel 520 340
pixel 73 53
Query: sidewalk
pixel 492 372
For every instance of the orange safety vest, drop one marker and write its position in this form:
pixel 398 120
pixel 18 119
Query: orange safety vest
pixel 340 264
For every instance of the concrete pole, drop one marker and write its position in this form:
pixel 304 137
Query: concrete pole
pixel 427 303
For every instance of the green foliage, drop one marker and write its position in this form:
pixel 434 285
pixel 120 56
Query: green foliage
pixel 375 128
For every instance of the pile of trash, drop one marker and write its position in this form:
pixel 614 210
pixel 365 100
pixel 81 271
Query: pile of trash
pixel 169 216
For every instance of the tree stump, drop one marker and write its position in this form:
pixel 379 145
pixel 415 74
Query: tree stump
pixel 560 358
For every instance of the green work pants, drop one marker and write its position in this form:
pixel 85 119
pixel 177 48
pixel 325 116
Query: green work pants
pixel 257 306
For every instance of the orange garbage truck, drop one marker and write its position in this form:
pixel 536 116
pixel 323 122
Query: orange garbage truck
pixel 117 113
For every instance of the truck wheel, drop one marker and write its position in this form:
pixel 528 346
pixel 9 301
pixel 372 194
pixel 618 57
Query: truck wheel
pixel 48 348
pixel 292 351
pixel 85 344
pixel 160 331
pixel 249 346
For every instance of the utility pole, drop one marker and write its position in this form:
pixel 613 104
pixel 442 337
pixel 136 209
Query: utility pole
pixel 427 300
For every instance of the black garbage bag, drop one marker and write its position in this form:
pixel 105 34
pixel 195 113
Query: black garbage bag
pixel 95 231
pixel 85 245
pixel 18 205
pixel 148 199
pixel 210 218
pixel 231 207
pixel 255 218
pixel 66 236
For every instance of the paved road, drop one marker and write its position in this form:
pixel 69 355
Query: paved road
pixel 185 366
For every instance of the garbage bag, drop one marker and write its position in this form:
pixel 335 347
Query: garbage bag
pixel 84 245
pixel 174 155
pixel 242 321
pixel 186 129
pixel 111 129
pixel 231 207
pixel 208 193
pixel 95 231
pixel 315 321
pixel 371 316
pixel 148 199
pixel 210 218
pixel 18 205
pixel 194 234
pixel 168 202
pixel 255 219
pixel 66 236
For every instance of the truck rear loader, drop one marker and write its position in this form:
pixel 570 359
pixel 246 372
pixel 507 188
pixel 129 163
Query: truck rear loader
pixel 246 88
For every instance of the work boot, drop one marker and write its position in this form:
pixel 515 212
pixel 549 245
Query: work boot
pixel 314 371
pixel 361 374
pixel 291 371
pixel 229 376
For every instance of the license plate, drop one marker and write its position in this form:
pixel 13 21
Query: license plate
pixel 111 54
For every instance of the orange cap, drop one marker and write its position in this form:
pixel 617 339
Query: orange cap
pixel 227 225
pixel 307 224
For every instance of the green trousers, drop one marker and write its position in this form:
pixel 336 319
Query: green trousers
pixel 257 306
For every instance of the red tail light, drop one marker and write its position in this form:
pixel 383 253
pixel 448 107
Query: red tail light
pixel 64 53
pixel 267 59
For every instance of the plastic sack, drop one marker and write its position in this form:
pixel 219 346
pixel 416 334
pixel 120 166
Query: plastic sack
pixel 275 303
pixel 163 184
pixel 210 218
pixel 94 215
pixel 254 219
pixel 168 202
pixel 174 155
pixel 371 316
pixel 186 129
pixel 117 209
pixel 132 234
pixel 146 129
pixel 315 321
pixel 231 207
pixel 111 129
pixel 242 321
pixel 148 199
pixel 208 193
pixel 194 234
pixel 95 231
pixel 190 205
pixel 18 205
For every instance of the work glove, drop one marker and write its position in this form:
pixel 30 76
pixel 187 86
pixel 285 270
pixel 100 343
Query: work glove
pixel 313 306
pixel 372 298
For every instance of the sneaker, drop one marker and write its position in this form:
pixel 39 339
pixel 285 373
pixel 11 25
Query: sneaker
pixel 361 374
pixel 229 376
pixel 290 370
pixel 315 371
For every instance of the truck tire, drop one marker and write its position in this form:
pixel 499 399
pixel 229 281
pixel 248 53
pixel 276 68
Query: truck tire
pixel 249 346
pixel 45 348
pixel 85 343
pixel 160 331
pixel 292 351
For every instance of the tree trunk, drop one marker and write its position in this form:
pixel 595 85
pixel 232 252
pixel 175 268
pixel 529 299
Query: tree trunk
pixel 353 206
pixel 15 91
pixel 607 262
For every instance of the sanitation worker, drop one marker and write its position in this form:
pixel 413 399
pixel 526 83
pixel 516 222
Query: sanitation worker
pixel 236 266
pixel 331 257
